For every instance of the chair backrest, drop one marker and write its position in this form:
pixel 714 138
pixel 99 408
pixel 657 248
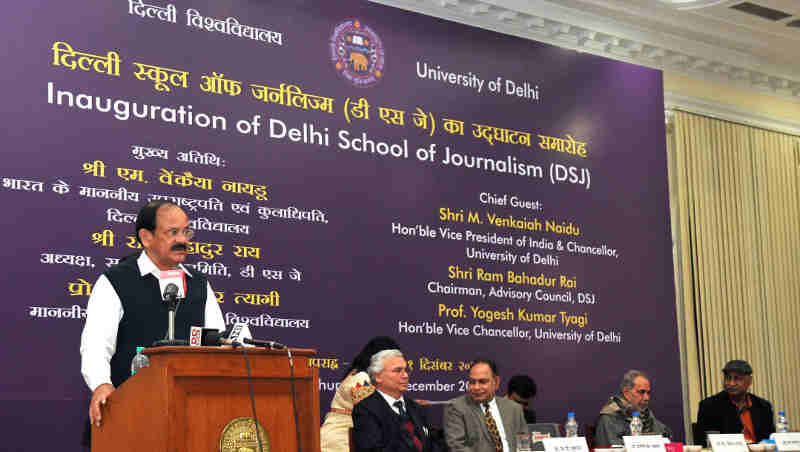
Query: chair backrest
pixel 589 435
pixel 435 412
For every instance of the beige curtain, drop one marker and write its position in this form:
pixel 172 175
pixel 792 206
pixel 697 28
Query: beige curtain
pixel 735 196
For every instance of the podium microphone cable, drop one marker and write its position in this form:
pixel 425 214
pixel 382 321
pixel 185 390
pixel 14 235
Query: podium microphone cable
pixel 294 396
pixel 294 399
pixel 252 398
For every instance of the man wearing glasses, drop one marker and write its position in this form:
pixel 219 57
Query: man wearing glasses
pixel 735 410
pixel 386 421
pixel 615 416
pixel 480 422
pixel 125 310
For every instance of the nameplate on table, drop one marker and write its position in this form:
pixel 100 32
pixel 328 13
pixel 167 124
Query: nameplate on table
pixel 787 441
pixel 729 442
pixel 644 443
pixel 574 444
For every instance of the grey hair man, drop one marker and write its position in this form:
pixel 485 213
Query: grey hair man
pixel 394 381
pixel 615 415
pixel 386 421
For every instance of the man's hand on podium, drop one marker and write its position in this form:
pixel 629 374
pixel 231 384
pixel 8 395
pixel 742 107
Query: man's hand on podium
pixel 99 397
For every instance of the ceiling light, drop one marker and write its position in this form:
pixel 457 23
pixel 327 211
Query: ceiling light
pixel 761 11
pixel 691 4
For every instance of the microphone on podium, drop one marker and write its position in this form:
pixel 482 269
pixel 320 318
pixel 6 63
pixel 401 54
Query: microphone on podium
pixel 207 337
pixel 268 344
pixel 171 293
pixel 239 336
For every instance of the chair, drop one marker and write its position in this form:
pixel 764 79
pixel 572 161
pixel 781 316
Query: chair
pixel 698 437
pixel 434 411
pixel 548 429
pixel 589 435
pixel 350 441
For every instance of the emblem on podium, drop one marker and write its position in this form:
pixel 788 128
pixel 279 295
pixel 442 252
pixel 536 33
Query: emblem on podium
pixel 240 436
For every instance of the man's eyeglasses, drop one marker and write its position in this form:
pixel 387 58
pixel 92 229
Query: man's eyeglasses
pixel 173 232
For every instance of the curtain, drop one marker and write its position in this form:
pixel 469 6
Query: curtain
pixel 735 203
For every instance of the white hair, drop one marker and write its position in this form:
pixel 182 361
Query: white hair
pixel 378 360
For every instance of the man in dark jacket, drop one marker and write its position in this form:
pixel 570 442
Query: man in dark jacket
pixel 125 309
pixel 735 410
pixel 386 421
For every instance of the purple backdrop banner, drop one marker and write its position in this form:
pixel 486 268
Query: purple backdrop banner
pixel 352 170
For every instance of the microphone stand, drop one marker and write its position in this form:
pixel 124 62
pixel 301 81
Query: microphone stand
pixel 172 306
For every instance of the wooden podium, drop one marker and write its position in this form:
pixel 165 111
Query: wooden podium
pixel 185 399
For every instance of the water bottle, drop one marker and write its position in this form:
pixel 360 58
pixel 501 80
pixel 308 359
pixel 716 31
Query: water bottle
pixel 571 427
pixel 636 424
pixel 139 361
pixel 783 425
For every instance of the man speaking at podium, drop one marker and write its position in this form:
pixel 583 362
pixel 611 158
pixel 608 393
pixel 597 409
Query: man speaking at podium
pixel 125 308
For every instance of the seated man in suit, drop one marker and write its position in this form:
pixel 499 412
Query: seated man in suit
pixel 615 416
pixel 735 410
pixel 480 422
pixel 387 421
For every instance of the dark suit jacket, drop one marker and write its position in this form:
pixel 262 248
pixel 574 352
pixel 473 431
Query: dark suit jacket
pixel 465 427
pixel 377 428
pixel 719 413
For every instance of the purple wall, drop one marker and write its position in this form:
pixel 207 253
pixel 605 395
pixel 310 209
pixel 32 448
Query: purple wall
pixel 359 277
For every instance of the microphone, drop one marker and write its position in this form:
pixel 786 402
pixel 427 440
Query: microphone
pixel 211 336
pixel 208 337
pixel 171 297
pixel 176 278
pixel 240 335
pixel 170 293
pixel 268 344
